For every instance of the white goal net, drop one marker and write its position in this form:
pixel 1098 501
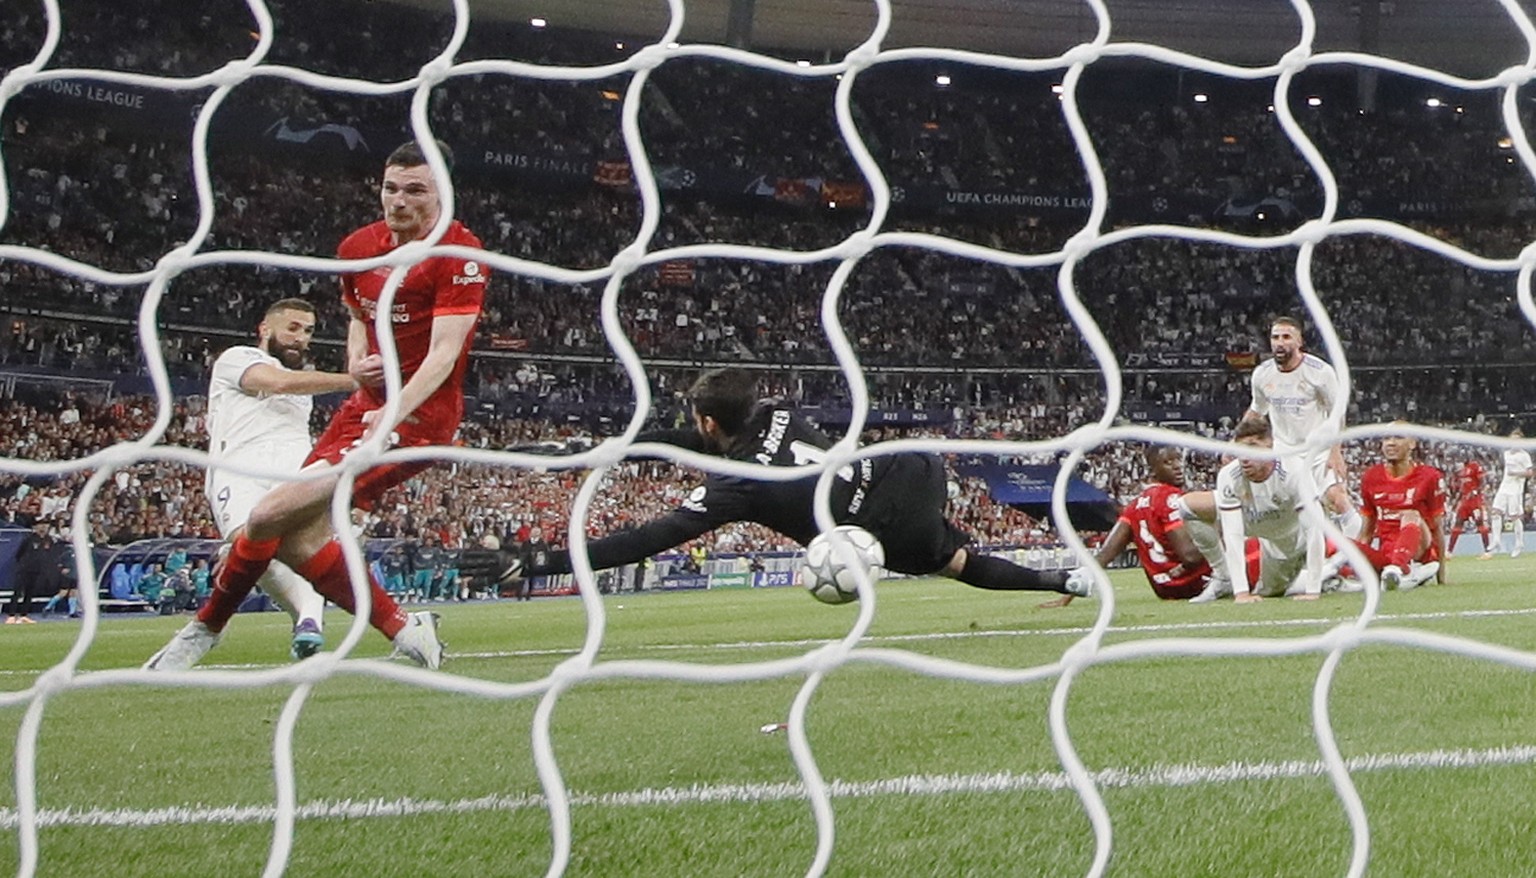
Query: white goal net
pixel 145 295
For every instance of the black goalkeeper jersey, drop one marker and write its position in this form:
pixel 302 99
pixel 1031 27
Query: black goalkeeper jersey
pixel 776 437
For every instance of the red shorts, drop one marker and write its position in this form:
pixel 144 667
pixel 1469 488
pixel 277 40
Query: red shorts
pixel 1187 590
pixel 345 432
pixel 1471 509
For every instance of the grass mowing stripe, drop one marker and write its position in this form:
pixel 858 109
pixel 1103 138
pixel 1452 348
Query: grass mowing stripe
pixel 1003 782
pixel 944 635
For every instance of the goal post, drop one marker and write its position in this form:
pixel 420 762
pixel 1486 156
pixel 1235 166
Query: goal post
pixel 1096 233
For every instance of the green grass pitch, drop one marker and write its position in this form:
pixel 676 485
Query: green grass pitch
pixel 1213 761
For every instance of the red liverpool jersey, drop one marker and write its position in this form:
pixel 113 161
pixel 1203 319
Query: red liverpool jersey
pixel 1469 480
pixel 1385 498
pixel 1151 517
pixel 441 285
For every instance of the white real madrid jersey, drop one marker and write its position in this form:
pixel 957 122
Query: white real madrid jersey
pixel 1268 507
pixel 1297 402
pixel 266 430
pixel 1515 462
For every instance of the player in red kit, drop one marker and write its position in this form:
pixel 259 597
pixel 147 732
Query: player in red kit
pixel 433 317
pixel 1471 506
pixel 1403 504
pixel 1160 526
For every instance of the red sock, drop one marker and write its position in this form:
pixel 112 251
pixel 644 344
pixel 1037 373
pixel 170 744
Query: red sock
pixel 236 576
pixel 327 571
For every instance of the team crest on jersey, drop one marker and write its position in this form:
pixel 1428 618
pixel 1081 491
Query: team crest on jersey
pixel 471 275
pixel 695 501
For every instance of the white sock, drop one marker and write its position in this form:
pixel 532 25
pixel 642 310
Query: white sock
pixel 1350 522
pixel 1208 540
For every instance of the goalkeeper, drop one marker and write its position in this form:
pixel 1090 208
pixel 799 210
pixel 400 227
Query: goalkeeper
pixel 898 498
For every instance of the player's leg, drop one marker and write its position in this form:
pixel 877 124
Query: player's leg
pixel 314 551
pixel 1279 566
pixel 905 510
pixel 288 508
pixel 1207 539
pixel 1463 516
pixel 1503 508
pixel 1480 519
pixel 1517 529
pixel 304 605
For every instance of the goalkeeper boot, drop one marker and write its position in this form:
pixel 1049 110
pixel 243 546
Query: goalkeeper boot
pixel 418 641
pixel 186 649
pixel 1079 583
pixel 307 639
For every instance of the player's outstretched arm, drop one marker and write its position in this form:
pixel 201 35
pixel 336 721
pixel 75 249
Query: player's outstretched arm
pixel 1233 535
pixel 450 333
pixel 265 378
pixel 631 546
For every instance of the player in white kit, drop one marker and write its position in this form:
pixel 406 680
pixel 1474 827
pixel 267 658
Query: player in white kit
pixel 1262 498
pixel 1297 390
pixel 259 402
pixel 1509 500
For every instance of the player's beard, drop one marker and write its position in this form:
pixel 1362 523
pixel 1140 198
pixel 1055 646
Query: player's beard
pixel 293 358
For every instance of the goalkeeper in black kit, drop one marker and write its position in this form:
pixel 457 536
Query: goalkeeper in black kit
pixel 898 498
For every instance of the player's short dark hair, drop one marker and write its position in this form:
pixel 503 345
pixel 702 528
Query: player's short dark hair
pixel 1152 453
pixel 728 395
pixel 292 303
pixel 409 155
pixel 1288 320
pixel 1253 427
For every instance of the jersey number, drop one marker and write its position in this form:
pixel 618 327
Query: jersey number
pixel 1155 549
pixel 805 453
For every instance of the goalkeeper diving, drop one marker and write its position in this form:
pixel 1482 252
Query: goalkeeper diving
pixel 899 498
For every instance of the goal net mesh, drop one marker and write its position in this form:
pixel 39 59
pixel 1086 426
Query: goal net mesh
pixel 638 63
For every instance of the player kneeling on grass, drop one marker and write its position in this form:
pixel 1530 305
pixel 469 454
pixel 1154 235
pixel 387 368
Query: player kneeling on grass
pixel 1261 497
pixel 899 498
pixel 1176 549
pixel 1403 506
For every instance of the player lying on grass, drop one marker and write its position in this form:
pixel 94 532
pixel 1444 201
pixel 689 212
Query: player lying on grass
pixel 898 498
pixel 1172 544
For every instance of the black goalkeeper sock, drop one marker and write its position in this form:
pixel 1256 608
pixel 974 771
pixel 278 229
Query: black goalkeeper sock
pixel 982 571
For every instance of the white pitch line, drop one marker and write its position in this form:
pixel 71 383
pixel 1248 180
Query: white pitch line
pixel 917 784
pixel 1234 624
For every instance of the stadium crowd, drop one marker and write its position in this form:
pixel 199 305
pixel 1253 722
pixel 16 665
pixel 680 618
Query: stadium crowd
pixel 460 504
pixel 991 347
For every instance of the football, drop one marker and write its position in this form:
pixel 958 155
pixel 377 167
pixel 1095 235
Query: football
pixel 824 572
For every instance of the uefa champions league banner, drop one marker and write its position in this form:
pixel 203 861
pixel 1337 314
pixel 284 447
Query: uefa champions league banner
pixel 61 95
pixel 1028 487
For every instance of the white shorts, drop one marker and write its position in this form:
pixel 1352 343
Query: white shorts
pixel 1279 566
pixel 1323 476
pixel 1510 504
pixel 233 496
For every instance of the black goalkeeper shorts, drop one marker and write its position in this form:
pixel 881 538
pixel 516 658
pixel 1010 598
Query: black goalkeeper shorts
pixel 905 511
